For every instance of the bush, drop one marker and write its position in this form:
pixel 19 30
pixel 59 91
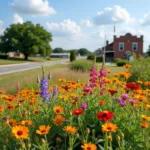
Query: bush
pixel 91 56
pixel 140 69
pixel 72 56
pixel 117 59
pixel 3 57
pixel 81 65
pixel 122 62
pixel 99 59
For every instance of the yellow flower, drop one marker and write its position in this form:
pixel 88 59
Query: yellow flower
pixel 89 146
pixel 26 122
pixel 109 127
pixel 58 109
pixel 43 130
pixel 20 132
pixel 70 129
pixel 127 66
pixel 58 120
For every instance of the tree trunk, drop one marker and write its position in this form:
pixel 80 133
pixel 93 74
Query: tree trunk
pixel 26 56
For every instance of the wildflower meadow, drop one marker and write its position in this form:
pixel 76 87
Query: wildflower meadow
pixel 105 113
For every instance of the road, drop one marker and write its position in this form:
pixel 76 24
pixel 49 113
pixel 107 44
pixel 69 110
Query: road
pixel 28 66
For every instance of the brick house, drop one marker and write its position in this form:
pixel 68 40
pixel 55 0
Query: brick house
pixel 122 47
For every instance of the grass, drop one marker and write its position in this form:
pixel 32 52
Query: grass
pixel 27 79
pixel 17 60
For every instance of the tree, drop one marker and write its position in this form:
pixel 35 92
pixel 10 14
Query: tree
pixel 148 51
pixel 27 38
pixel 72 56
pixel 58 50
pixel 83 51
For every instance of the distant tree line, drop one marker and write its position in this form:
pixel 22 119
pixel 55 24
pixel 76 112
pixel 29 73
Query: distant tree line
pixel 81 51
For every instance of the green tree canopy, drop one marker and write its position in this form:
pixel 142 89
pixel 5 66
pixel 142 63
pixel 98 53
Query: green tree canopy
pixel 83 51
pixel 28 38
pixel 58 50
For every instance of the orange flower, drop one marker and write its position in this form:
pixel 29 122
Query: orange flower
pixel 101 102
pixel 109 127
pixel 127 66
pixel 43 130
pixel 58 109
pixel 58 120
pixel 89 146
pixel 26 122
pixel 1 108
pixel 20 132
pixel 70 129
pixel 144 125
pixel 11 122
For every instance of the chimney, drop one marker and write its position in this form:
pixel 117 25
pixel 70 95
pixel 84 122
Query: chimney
pixel 107 42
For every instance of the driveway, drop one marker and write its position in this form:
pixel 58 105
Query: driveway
pixel 28 66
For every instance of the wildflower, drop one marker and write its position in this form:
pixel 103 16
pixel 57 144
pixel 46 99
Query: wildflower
pixel 144 125
pixel 83 106
pixel 70 129
pixel 77 112
pixel 11 122
pixel 109 127
pixel 87 89
pixel 93 76
pixel 20 132
pixel 127 66
pixel 43 130
pixel 132 86
pixel 103 73
pixel 105 115
pixel 132 101
pixel 89 146
pixel 123 103
pixel 26 122
pixel 55 91
pixel 58 120
pixel 58 109
pixel 125 96
pixel 101 102
pixel 1 108
pixel 112 92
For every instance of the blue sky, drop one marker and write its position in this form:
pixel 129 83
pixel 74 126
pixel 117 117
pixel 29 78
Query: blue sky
pixel 80 23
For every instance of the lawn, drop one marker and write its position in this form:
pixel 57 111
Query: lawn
pixel 21 60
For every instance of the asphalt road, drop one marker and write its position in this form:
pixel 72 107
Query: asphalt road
pixel 28 66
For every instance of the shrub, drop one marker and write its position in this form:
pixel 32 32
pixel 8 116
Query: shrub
pixel 122 62
pixel 81 65
pixel 117 59
pixel 99 59
pixel 72 56
pixel 91 56
pixel 140 69
pixel 3 57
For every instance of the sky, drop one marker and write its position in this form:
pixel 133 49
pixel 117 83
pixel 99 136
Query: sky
pixel 78 24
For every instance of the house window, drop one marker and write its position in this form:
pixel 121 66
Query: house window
pixel 121 46
pixel 134 46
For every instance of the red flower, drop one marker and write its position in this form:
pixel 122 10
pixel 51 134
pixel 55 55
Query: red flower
pixel 112 92
pixel 77 112
pixel 105 115
pixel 132 86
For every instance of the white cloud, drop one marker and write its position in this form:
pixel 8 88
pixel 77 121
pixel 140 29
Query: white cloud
pixel 67 28
pixel 99 34
pixel 33 7
pixel 87 23
pixel 146 20
pixel 1 27
pixel 17 19
pixel 112 15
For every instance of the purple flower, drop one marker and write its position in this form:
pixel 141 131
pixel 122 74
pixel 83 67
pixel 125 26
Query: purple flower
pixel 44 89
pixel 83 106
pixel 117 99
pixel 103 73
pixel 122 103
pixel 132 101
pixel 125 96
pixel 55 91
